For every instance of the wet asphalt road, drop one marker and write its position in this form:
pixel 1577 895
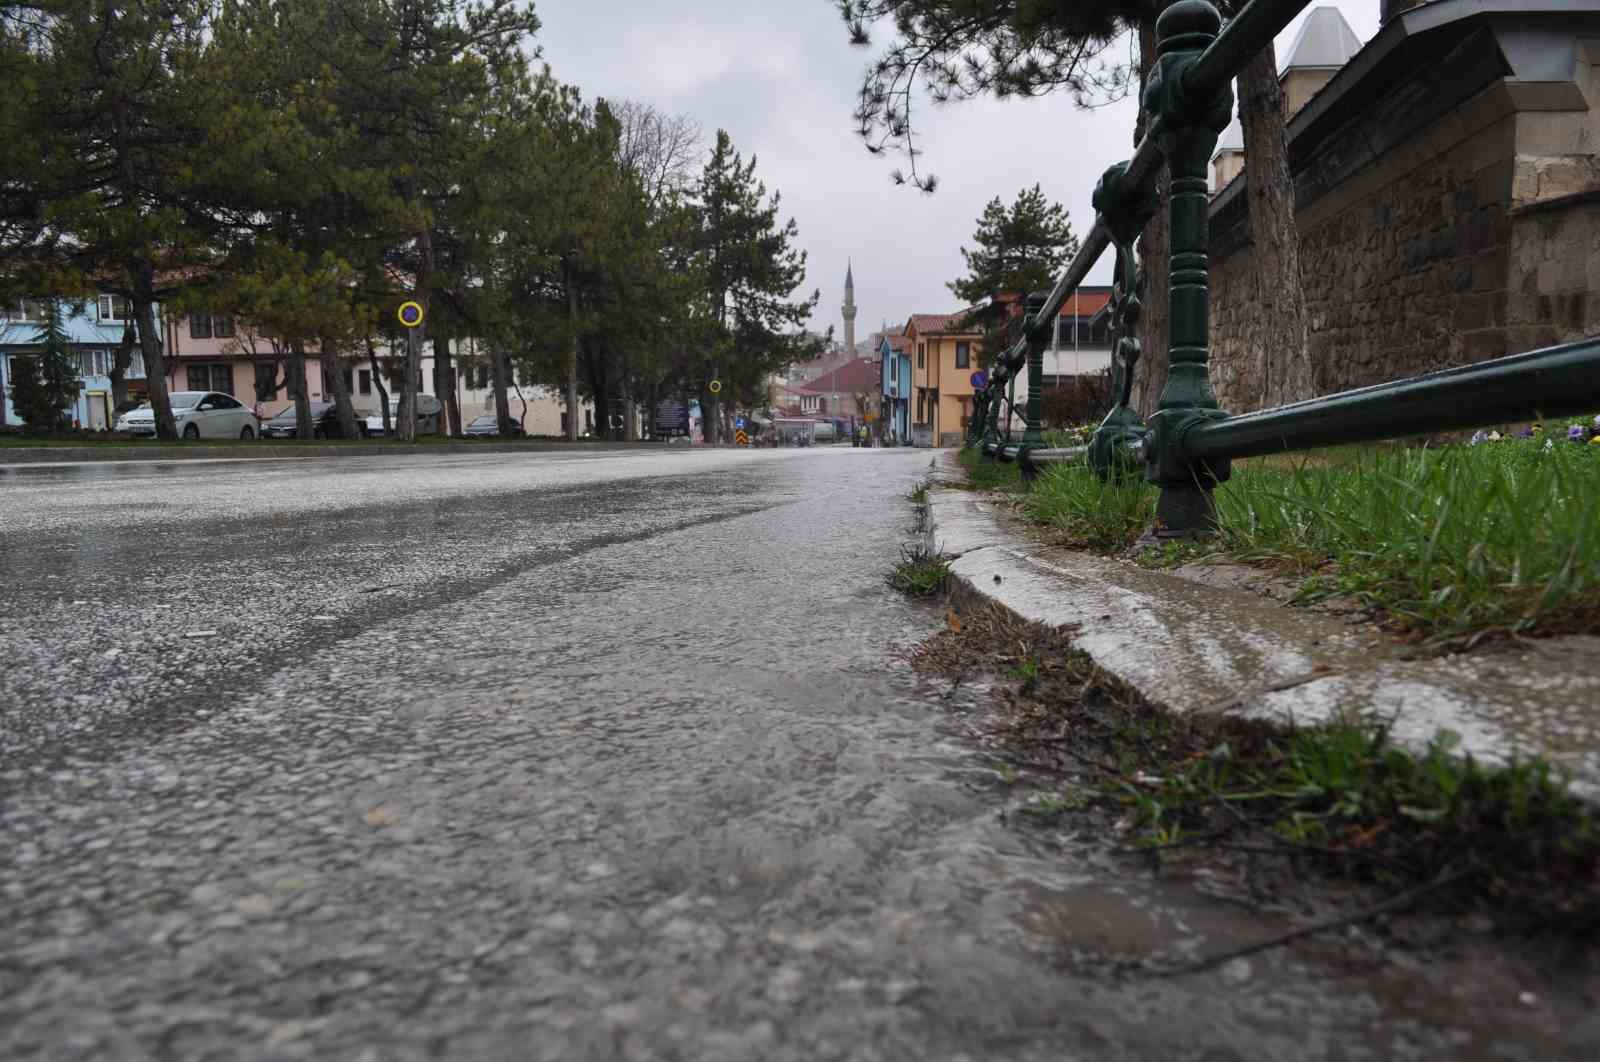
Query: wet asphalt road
pixel 556 756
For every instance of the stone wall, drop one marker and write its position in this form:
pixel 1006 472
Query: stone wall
pixel 1457 219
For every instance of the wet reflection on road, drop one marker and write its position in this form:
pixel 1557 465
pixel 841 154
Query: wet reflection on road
pixel 556 760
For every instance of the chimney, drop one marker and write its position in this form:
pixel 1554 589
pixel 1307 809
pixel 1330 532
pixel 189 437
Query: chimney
pixel 1388 9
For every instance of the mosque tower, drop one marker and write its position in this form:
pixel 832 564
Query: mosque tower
pixel 849 309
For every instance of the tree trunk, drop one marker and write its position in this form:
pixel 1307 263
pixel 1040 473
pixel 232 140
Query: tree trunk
pixel 1276 336
pixel 708 416
pixel 572 353
pixel 120 363
pixel 377 381
pixel 500 369
pixel 155 366
pixel 345 410
pixel 630 427
pixel 1154 250
pixel 410 386
pixel 600 387
pixel 452 404
pixel 443 385
pixel 298 390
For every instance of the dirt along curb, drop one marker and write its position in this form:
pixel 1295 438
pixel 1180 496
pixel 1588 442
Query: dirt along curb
pixel 1191 647
pixel 258 451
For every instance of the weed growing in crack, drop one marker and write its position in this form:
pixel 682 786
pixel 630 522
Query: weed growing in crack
pixel 921 572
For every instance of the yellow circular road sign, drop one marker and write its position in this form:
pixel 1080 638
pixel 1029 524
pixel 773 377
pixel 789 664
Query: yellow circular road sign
pixel 410 314
pixel 715 387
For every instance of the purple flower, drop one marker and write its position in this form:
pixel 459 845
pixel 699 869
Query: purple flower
pixel 1525 433
pixel 1577 433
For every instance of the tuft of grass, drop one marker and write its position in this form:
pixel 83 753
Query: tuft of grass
pixel 986 474
pixel 1445 541
pixel 918 494
pixel 1088 513
pixel 920 573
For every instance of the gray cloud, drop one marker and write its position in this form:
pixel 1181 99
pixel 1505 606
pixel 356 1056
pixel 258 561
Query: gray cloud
pixel 782 78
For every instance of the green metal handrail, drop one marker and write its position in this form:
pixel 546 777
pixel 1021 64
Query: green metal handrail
pixel 1187 444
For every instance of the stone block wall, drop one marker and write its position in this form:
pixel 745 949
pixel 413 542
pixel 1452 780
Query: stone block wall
pixel 1469 232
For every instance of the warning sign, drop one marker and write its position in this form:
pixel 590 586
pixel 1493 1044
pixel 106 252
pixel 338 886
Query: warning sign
pixel 740 438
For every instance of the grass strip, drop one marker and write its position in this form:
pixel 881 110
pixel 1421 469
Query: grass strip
pixel 1445 540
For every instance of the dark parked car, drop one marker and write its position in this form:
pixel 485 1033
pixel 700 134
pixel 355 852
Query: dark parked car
pixel 490 425
pixel 324 418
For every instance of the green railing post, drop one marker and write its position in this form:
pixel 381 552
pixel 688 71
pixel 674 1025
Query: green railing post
pixel 1186 130
pixel 1033 435
pixel 1124 212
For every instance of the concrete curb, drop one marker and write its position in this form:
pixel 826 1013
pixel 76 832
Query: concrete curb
pixel 267 451
pixel 1191 647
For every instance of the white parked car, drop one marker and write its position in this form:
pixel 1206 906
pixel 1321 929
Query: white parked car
pixel 428 410
pixel 200 415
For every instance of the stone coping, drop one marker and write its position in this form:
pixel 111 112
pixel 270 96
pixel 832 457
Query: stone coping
pixel 1194 647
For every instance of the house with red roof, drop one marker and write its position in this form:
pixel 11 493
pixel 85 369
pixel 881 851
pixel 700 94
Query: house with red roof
pixel 845 388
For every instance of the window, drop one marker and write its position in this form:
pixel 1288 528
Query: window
pixel 921 360
pixel 963 355
pixel 27 310
pixel 205 377
pixel 200 326
pixel 224 402
pixel 94 362
pixel 222 326
pixel 113 309
pixel 349 379
pixel 364 381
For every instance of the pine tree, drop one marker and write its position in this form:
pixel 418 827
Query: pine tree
pixel 1018 249
pixel 750 269
pixel 46 383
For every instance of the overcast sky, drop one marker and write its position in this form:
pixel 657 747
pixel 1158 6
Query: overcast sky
pixel 781 77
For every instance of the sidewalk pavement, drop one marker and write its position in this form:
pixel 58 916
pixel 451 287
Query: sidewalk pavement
pixel 1193 646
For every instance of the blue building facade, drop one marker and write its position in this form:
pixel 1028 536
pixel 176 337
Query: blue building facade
pixel 894 353
pixel 95 328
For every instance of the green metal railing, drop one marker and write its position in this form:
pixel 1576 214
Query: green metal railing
pixel 1186 445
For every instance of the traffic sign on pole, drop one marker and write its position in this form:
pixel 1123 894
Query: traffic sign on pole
pixel 715 387
pixel 410 314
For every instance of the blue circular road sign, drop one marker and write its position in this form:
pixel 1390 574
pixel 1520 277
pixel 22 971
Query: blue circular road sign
pixel 980 380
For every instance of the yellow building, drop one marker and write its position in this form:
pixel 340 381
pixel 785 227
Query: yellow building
pixel 943 359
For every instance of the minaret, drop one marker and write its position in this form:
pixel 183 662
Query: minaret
pixel 849 310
